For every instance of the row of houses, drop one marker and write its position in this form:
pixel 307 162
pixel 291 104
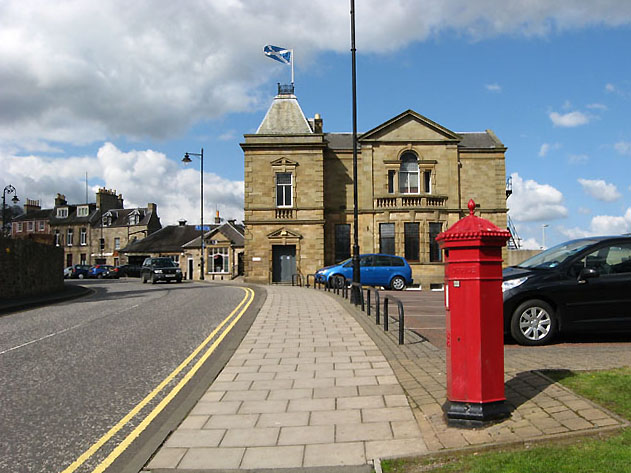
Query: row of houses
pixel 105 232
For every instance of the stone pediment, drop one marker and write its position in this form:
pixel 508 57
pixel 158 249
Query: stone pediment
pixel 410 127
pixel 284 162
pixel 284 233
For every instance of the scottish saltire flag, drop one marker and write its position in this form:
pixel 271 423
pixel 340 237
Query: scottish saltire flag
pixel 279 54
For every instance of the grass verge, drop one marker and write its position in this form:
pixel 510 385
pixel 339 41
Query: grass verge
pixel 609 388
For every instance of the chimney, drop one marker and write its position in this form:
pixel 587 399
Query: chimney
pixel 232 221
pixel 106 199
pixel 217 219
pixel 31 206
pixel 182 223
pixel 60 200
pixel 153 208
pixel 317 123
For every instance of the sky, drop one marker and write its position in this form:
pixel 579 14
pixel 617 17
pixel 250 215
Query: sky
pixel 118 91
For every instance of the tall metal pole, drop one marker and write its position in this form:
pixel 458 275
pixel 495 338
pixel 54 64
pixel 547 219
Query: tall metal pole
pixel 355 291
pixel 202 211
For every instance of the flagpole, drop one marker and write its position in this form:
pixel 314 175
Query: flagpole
pixel 292 67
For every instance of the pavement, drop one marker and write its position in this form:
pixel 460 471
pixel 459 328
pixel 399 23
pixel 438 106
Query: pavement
pixel 317 385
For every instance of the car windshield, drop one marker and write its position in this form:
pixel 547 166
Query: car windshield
pixel 556 255
pixel 163 262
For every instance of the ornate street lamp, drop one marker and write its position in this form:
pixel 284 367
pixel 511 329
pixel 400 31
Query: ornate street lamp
pixel 187 159
pixel 7 190
pixel 355 290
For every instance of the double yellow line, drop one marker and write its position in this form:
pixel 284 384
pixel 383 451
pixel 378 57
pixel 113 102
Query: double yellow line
pixel 229 322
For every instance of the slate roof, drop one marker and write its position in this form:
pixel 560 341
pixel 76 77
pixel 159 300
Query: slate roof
pixel 470 140
pixel 72 218
pixel 168 239
pixel 43 214
pixel 284 117
pixel 234 233
pixel 121 216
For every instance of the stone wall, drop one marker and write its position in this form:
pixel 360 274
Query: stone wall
pixel 28 268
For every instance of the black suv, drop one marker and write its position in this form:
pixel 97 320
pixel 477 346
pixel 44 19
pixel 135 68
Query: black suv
pixel 160 269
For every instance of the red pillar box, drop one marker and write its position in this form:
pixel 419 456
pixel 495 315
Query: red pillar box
pixel 475 334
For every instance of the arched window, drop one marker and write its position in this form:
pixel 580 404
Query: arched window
pixel 409 174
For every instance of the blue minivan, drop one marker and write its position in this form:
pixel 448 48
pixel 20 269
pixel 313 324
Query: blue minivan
pixel 389 271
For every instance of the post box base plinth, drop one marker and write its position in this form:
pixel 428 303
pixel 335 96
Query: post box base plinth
pixel 473 415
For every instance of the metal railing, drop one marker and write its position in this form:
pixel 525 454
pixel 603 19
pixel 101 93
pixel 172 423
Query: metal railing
pixel 340 286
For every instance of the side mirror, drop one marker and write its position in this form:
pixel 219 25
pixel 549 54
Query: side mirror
pixel 587 273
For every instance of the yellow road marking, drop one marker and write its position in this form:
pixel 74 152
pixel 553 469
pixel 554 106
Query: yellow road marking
pixel 249 294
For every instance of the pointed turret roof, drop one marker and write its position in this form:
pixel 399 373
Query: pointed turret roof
pixel 284 117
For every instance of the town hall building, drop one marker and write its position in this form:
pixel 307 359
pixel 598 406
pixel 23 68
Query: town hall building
pixel 415 178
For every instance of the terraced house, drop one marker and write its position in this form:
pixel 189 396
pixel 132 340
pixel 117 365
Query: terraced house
pixel 415 178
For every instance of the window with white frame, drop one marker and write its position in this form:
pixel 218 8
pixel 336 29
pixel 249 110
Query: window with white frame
pixel 117 243
pixel 83 237
pixel 284 189
pixel 218 260
pixel 409 174
pixel 42 225
pixel 30 226
pixel 57 238
pixel 69 237
pixel 62 212
pixel 19 227
pixel 83 211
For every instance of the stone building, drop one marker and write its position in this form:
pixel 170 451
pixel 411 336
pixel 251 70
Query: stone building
pixel 33 224
pixel 93 233
pixel 415 178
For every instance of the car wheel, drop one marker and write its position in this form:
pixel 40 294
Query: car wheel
pixel 81 276
pixel 153 280
pixel 397 283
pixel 533 323
pixel 337 281
pixel 100 276
pixel 144 279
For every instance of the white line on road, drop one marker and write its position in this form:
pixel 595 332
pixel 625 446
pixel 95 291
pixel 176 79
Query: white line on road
pixel 65 330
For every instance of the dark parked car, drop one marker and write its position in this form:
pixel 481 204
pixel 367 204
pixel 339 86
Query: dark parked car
pixel 579 286
pixel 129 270
pixel 160 269
pixel 77 271
pixel 99 271
pixel 389 271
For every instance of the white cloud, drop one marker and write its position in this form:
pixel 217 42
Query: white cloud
pixel 493 87
pixel 584 211
pixel 610 88
pixel 578 158
pixel 602 225
pixel 569 120
pixel 532 201
pixel 547 147
pixel 141 176
pixel 623 147
pixel 600 190
pixel 85 72
pixel 598 106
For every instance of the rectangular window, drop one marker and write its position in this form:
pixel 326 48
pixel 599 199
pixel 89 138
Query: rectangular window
pixel 19 227
pixel 57 238
pixel 342 242
pixel 218 260
pixel 435 253
pixel 411 241
pixel 84 259
pixel 386 238
pixel 42 225
pixel 82 211
pixel 427 177
pixel 84 237
pixel 284 187
pixel 117 243
pixel 69 237
pixel 391 175
pixel 62 212
pixel 30 226
pixel 102 244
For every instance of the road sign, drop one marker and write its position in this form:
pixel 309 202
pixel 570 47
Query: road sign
pixel 206 228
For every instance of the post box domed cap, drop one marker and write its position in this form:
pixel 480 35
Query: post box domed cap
pixel 473 227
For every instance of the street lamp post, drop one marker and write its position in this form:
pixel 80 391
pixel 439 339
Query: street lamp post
pixel 355 290
pixel 543 236
pixel 187 159
pixel 7 190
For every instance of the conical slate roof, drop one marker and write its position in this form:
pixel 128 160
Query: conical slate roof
pixel 284 117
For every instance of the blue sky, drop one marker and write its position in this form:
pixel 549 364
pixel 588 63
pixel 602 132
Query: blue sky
pixel 122 93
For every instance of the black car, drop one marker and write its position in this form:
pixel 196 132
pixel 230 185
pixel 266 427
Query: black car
pixel 130 270
pixel 578 286
pixel 160 269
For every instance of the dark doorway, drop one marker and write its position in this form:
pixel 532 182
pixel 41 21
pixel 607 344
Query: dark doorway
pixel 283 263
pixel 190 268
